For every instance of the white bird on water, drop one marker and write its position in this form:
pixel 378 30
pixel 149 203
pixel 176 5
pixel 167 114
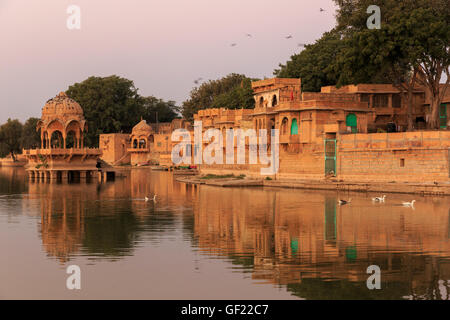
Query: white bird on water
pixel 153 199
pixel 409 204
pixel 379 199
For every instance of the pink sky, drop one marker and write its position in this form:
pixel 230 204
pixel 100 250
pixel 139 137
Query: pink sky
pixel 162 45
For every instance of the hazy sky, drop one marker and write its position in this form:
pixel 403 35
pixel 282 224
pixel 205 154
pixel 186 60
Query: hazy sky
pixel 162 45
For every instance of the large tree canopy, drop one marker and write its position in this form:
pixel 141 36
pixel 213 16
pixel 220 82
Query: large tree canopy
pixel 411 47
pixel 110 104
pixel 317 64
pixel 231 92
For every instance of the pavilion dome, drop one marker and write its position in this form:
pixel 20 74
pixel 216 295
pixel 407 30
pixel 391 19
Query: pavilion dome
pixel 61 105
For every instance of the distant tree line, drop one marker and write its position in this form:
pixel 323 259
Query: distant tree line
pixel 15 136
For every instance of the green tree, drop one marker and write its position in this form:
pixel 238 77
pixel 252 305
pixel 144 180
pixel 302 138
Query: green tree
pixel 231 92
pixel 158 110
pixel 317 65
pixel 411 47
pixel 10 134
pixel 111 104
pixel 30 137
pixel 313 63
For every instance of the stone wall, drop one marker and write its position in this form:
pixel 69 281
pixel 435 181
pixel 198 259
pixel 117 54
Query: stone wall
pixel 114 148
pixel 402 157
pixel 379 157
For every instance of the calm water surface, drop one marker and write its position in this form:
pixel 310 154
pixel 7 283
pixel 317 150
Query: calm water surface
pixel 216 243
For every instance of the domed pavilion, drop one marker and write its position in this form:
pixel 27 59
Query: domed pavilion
pixel 62 154
pixel 142 140
pixel 62 124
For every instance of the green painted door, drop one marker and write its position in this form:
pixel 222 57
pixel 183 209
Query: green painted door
pixel 330 157
pixel 351 121
pixel 294 127
pixel 443 116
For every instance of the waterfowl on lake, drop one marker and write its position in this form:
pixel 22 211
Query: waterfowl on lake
pixel 409 204
pixel 379 199
pixel 342 202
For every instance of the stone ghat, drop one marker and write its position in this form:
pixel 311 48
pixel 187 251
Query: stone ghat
pixel 222 182
pixel 442 189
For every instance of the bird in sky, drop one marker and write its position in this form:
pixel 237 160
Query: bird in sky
pixel 248 35
pixel 233 44
pixel 322 9
pixel 196 81
pixel 289 37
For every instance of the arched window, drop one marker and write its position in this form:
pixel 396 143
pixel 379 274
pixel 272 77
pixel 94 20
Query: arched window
pixel 261 102
pixel 284 126
pixel 71 140
pixel 135 144
pixel 274 100
pixel 142 144
pixel 56 140
pixel 294 127
pixel 351 122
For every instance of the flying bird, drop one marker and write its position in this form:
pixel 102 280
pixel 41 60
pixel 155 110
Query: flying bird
pixel 289 37
pixel 248 35
pixel 196 81
pixel 233 44
pixel 322 9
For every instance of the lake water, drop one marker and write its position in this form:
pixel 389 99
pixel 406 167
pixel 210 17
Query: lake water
pixel 204 242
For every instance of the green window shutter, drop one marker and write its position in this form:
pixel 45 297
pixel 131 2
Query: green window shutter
pixel 351 122
pixel 294 127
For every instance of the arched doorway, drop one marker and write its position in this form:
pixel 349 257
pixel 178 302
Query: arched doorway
pixel 56 140
pixel 284 126
pixel 274 100
pixel 71 140
pixel 351 122
pixel 294 127
pixel 142 144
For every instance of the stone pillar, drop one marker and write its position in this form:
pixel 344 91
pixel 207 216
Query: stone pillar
pixel 82 175
pixel 37 175
pixel 65 176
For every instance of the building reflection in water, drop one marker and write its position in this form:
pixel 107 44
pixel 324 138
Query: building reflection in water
pixel 294 238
